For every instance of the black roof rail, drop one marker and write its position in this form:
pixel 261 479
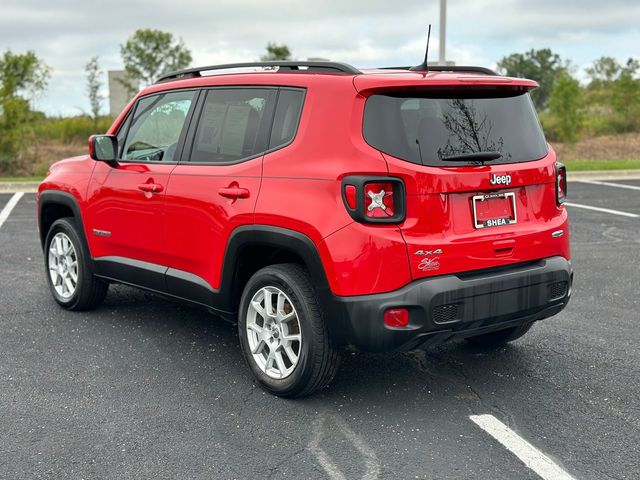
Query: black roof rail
pixel 450 68
pixel 292 66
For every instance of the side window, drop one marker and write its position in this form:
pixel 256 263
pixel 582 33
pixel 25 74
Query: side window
pixel 285 122
pixel 230 125
pixel 156 126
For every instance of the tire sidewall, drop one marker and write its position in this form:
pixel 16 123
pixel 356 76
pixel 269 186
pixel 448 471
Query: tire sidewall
pixel 66 226
pixel 303 370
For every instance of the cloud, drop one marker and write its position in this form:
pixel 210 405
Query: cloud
pixel 66 33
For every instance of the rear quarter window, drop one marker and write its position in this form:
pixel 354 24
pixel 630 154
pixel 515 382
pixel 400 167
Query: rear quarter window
pixel 427 128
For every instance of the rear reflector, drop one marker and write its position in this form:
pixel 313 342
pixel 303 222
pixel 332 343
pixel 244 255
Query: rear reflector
pixel 396 317
pixel 350 196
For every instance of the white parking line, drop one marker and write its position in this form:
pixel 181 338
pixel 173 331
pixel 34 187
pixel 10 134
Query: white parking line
pixel 331 469
pixel 609 184
pixel 605 210
pixel 13 201
pixel 530 455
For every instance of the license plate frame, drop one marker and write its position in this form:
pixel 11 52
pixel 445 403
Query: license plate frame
pixel 494 222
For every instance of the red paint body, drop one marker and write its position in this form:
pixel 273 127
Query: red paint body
pixel 183 220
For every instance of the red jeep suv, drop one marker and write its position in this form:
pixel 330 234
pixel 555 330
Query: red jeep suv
pixel 320 206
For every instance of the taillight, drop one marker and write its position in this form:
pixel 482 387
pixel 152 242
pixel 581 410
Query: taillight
pixel 561 183
pixel 378 200
pixel 374 199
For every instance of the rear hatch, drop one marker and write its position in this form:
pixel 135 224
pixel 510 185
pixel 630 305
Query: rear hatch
pixel 480 178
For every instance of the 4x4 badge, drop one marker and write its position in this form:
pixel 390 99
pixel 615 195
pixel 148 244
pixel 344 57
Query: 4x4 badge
pixel 437 251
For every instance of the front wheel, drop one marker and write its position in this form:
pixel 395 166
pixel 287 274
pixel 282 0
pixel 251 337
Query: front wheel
pixel 501 337
pixel 283 333
pixel 67 268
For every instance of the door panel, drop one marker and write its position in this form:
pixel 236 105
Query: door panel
pixel 200 215
pixel 126 199
pixel 122 219
pixel 216 187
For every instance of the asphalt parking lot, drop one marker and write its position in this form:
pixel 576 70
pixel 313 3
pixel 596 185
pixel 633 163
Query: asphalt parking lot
pixel 145 387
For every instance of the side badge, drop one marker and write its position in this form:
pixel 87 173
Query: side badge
pixel 428 264
pixel 101 233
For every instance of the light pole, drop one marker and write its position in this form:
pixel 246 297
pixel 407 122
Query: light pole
pixel 443 32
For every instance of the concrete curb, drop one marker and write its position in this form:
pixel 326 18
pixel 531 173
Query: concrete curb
pixel 604 175
pixel 27 187
pixel 30 187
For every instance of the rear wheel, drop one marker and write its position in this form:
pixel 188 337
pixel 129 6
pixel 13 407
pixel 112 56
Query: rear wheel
pixel 283 333
pixel 501 337
pixel 67 267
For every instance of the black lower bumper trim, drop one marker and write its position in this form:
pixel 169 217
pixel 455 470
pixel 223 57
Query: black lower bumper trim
pixel 449 306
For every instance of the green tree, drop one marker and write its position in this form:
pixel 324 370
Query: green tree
pixel 613 93
pixel 276 52
pixel 148 53
pixel 93 72
pixel 604 69
pixel 22 77
pixel 566 107
pixel 625 97
pixel 542 65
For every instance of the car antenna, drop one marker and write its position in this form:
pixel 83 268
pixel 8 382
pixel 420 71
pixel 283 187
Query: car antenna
pixel 424 66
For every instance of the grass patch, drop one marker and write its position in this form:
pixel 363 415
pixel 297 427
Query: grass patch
pixel 582 165
pixel 21 179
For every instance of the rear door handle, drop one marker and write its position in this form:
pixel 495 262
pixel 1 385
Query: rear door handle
pixel 151 187
pixel 234 192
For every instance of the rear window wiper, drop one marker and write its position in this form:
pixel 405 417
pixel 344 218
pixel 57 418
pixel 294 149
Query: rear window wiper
pixel 472 157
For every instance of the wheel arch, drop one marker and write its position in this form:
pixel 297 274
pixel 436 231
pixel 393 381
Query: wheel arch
pixel 53 205
pixel 253 247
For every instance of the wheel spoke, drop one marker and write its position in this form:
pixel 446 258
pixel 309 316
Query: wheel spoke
pixel 280 305
pixel 293 358
pixel 288 316
pixel 58 245
pixel 291 338
pixel 258 308
pixel 270 360
pixel 258 347
pixel 69 284
pixel 280 361
pixel 255 328
pixel 268 303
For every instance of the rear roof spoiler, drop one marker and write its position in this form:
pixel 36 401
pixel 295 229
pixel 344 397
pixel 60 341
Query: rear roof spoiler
pixel 449 68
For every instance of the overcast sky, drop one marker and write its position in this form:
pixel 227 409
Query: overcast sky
pixel 66 33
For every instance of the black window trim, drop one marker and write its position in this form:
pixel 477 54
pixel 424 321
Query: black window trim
pixel 183 133
pixel 271 111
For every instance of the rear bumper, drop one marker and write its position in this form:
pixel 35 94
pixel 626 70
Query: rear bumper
pixel 450 306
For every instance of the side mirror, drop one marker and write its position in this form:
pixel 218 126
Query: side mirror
pixel 103 148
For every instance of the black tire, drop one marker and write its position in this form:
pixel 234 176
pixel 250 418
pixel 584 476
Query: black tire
pixel 90 291
pixel 318 357
pixel 501 337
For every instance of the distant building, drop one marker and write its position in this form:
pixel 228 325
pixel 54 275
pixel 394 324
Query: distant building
pixel 119 96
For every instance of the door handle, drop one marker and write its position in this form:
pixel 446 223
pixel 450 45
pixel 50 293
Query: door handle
pixel 234 192
pixel 151 187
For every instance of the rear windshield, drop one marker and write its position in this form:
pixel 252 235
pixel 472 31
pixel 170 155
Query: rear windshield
pixel 429 128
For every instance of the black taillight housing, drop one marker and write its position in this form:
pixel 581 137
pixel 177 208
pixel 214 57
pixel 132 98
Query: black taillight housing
pixel 561 183
pixel 371 199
